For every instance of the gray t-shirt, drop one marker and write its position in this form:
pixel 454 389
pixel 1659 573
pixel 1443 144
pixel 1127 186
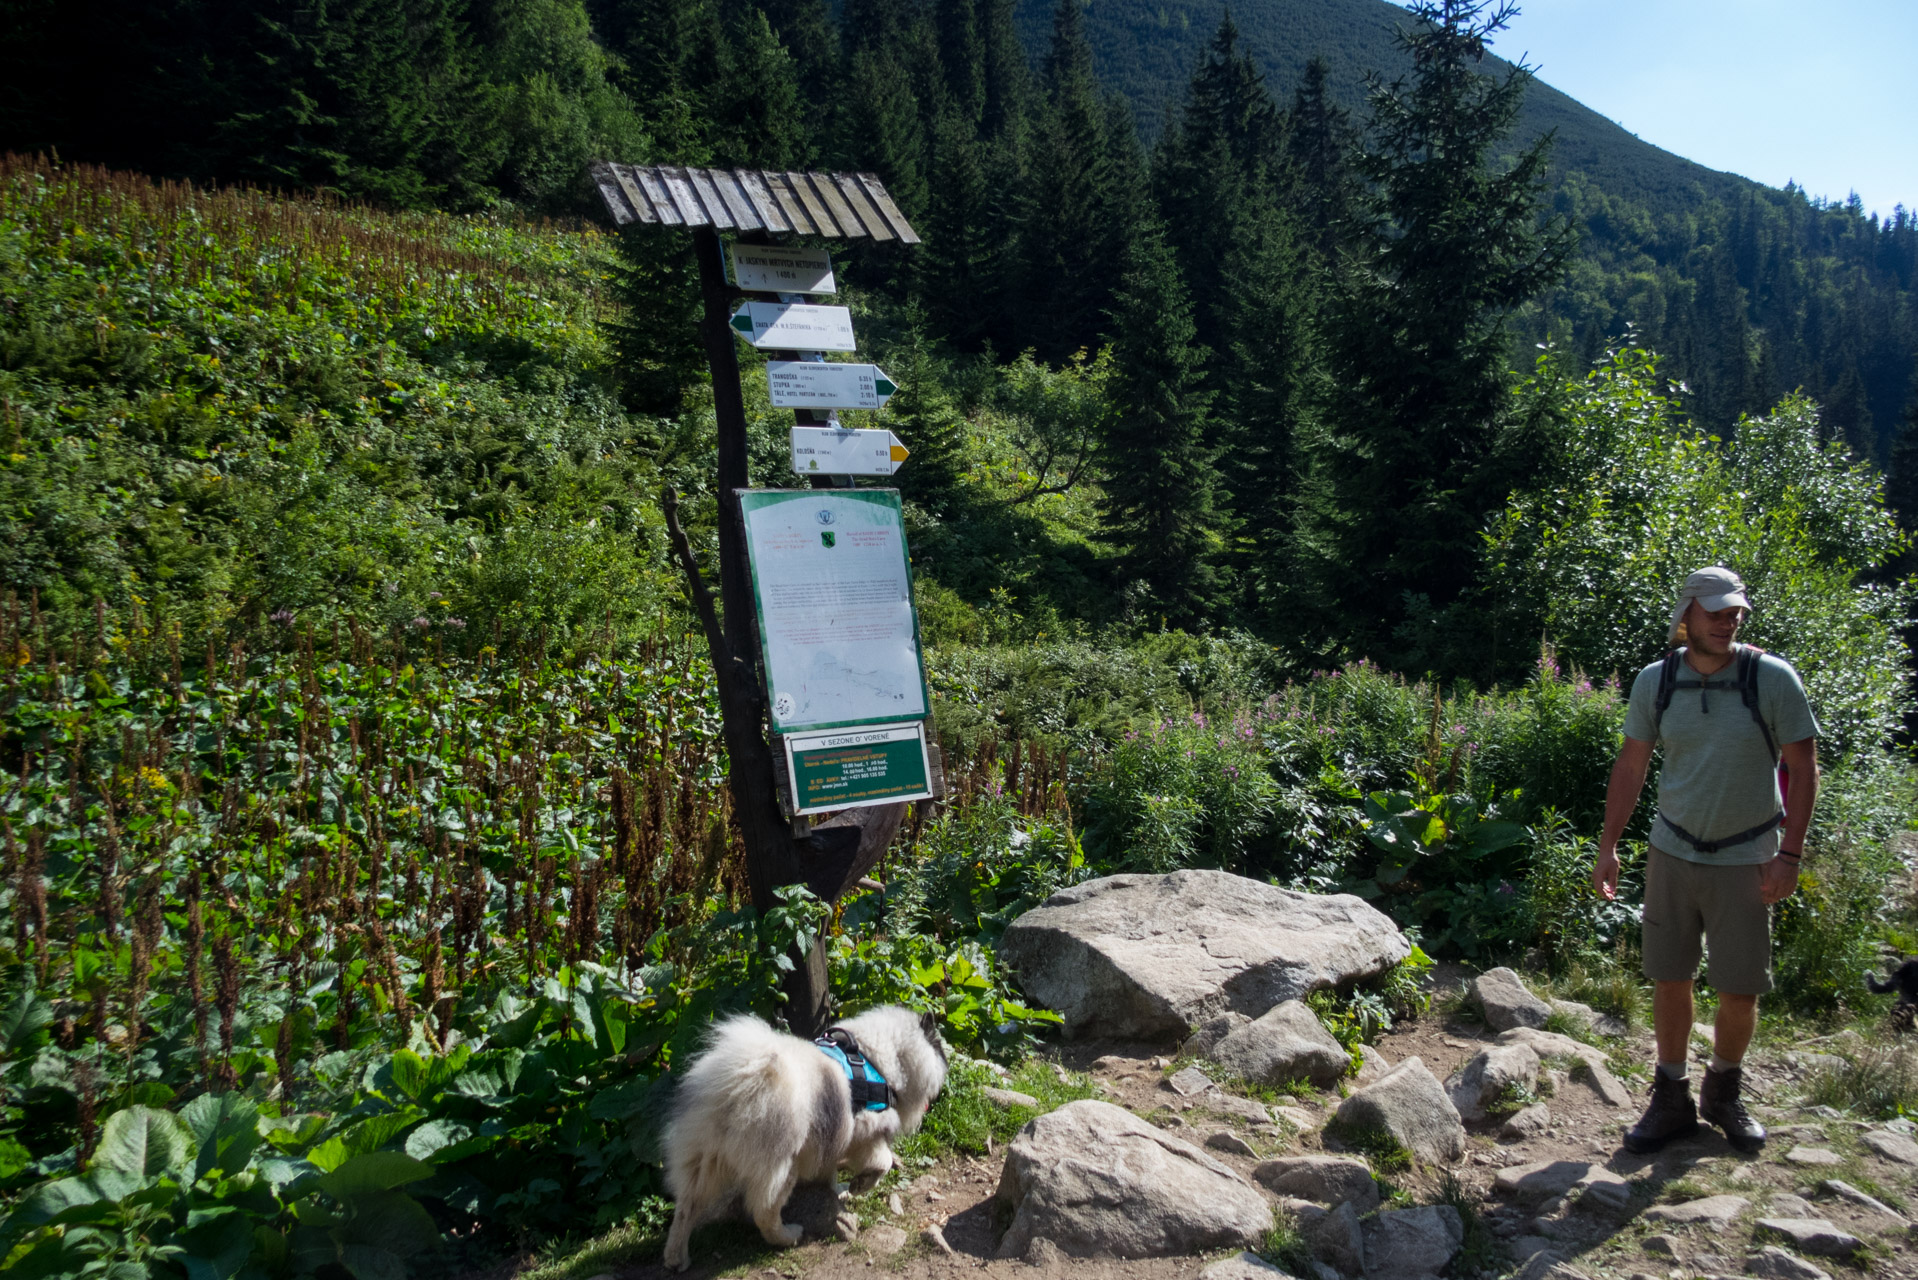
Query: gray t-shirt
pixel 1718 778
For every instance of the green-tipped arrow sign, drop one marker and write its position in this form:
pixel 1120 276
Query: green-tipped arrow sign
pixel 795 326
pixel 810 384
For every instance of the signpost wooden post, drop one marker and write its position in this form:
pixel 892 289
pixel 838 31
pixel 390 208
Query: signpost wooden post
pixel 782 846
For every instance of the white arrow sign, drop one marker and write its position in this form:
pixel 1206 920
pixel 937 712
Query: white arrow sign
pixel 808 384
pixel 795 326
pixel 781 268
pixel 834 452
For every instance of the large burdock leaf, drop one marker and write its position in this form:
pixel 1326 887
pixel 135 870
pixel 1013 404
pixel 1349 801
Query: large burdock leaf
pixel 226 1128
pixel 145 1142
pixel 374 1171
pixel 21 1019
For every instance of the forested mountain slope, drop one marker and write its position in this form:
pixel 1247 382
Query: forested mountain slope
pixel 1749 291
pixel 1146 49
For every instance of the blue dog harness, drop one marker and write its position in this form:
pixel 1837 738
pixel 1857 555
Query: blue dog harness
pixel 869 1089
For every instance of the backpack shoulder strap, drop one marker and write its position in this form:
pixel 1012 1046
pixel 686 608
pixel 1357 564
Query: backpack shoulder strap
pixel 1749 656
pixel 1667 681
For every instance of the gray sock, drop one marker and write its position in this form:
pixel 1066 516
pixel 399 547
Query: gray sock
pixel 1672 1070
pixel 1720 1064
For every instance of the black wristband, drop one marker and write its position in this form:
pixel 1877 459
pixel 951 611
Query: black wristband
pixel 1786 853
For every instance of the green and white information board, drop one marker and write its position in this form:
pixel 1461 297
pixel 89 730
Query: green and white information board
pixel 852 768
pixel 836 617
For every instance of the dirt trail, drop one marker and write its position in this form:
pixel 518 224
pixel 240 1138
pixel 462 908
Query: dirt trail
pixel 957 1193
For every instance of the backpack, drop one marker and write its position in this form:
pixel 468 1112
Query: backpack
pixel 1745 680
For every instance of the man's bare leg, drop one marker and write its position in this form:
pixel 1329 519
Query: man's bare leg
pixel 1672 1020
pixel 1672 1114
pixel 1732 1030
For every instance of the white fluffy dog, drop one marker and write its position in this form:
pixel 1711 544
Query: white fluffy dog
pixel 760 1111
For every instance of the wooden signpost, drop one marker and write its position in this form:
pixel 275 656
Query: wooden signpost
pixel 818 801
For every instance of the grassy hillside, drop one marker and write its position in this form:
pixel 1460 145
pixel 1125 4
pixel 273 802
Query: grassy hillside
pixel 222 408
pixel 1146 49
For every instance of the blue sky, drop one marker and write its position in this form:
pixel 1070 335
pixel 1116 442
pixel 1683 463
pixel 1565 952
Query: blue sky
pixel 1823 93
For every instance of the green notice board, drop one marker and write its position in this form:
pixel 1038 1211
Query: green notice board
pixel 836 619
pixel 852 768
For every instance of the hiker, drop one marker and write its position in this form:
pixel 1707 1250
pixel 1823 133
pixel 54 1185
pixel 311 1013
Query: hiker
pixel 1725 846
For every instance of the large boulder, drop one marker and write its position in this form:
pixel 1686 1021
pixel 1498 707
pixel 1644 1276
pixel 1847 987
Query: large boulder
pixel 1146 957
pixel 1408 1104
pixel 1287 1042
pixel 1489 1075
pixel 1098 1181
pixel 1506 1002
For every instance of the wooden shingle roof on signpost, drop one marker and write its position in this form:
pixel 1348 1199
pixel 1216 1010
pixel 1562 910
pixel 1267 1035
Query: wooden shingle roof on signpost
pixel 836 206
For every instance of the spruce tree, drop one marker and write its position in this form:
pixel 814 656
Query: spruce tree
pixel 805 29
pixel 1006 77
pixel 1321 142
pixel 1901 478
pixel 1453 241
pixel 1270 382
pixel 1160 496
pixel 962 55
pixel 960 265
pixel 754 106
pixel 1073 225
pixel 669 59
pixel 1214 170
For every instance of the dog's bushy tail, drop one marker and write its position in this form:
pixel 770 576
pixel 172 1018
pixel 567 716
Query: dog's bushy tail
pixel 1880 986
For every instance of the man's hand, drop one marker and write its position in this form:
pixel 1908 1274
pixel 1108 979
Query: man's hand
pixel 1605 875
pixel 1777 880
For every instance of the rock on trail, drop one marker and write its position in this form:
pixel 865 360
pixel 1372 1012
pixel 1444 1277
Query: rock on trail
pixel 1146 957
pixel 1287 1042
pixel 1095 1179
pixel 1507 1002
pixel 1489 1075
pixel 1327 1180
pixel 1412 1242
pixel 1408 1104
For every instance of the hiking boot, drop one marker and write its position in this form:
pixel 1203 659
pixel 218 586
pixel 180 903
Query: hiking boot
pixel 1670 1116
pixel 1719 1104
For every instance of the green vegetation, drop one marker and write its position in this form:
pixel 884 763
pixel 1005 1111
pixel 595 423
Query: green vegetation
pixel 239 416
pixel 1880 1082
pixel 365 855
pixel 965 1121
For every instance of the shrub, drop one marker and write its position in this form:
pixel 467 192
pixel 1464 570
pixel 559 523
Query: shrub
pixel 979 866
pixel 1594 560
pixel 1574 925
pixel 1185 792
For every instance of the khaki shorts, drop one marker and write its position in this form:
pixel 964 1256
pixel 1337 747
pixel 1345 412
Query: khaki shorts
pixel 1686 899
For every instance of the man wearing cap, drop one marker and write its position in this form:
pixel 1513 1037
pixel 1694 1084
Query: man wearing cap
pixel 1725 845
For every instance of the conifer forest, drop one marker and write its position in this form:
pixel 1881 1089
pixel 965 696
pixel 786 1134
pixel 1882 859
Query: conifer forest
pixel 1303 453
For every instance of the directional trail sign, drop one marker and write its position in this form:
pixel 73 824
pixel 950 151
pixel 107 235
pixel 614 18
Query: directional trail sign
pixel 795 326
pixel 782 268
pixel 835 451
pixel 810 384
